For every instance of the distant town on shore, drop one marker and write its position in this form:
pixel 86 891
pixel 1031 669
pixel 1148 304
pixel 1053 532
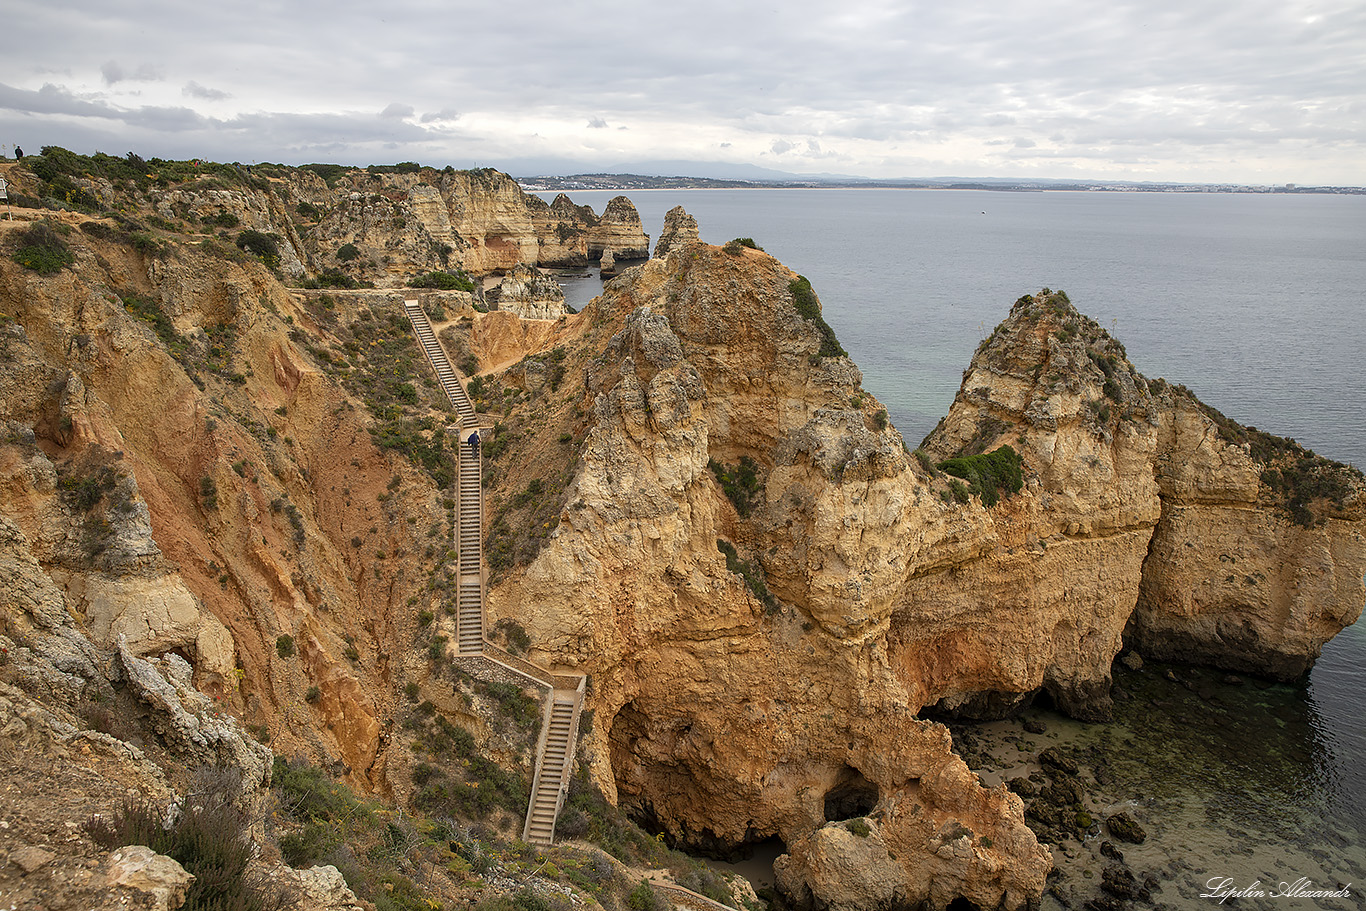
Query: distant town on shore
pixel 1007 185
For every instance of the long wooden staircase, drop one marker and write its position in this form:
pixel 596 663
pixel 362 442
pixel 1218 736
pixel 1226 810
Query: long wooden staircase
pixel 563 692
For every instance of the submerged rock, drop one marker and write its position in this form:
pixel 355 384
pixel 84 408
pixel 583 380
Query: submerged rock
pixel 1123 827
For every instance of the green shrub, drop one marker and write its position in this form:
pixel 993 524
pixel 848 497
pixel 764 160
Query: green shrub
pixel 740 484
pixel 262 245
pixel 859 827
pixel 988 474
pixel 443 281
pixel 208 492
pixel 210 838
pixel 330 278
pixel 808 306
pixel 42 249
pixel 284 646
pixel 644 898
pixel 222 220
pixel 518 642
pixel 754 579
pixel 348 252
pixel 925 461
pixel 313 695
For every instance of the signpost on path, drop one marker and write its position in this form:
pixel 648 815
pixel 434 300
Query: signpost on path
pixel 4 194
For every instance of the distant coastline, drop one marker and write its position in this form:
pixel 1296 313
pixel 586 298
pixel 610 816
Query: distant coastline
pixel 574 182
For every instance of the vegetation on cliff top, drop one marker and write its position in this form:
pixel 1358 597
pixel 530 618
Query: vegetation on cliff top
pixel 809 307
pixel 1307 485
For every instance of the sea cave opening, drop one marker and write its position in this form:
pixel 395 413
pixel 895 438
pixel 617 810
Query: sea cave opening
pixel 852 796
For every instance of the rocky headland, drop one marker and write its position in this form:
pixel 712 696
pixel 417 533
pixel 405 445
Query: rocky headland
pixel 227 512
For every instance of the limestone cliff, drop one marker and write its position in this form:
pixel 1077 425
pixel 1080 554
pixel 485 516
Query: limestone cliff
pixel 189 478
pixel 529 293
pixel 690 498
pixel 771 685
pixel 376 225
pixel 719 718
pixel 481 221
pixel 1247 549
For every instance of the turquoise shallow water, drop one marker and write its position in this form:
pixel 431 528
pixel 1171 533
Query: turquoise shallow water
pixel 1258 304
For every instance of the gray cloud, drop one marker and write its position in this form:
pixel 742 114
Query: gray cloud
pixel 113 72
pixel 445 114
pixel 193 89
pixel 895 87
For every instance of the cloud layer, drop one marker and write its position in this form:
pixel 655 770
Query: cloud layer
pixel 1260 92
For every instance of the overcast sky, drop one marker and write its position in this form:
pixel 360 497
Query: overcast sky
pixel 1256 91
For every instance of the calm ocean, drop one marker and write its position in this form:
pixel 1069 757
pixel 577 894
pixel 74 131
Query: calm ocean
pixel 1257 303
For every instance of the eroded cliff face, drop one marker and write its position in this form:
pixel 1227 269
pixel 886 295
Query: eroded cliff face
pixel 724 715
pixel 691 499
pixel 381 225
pixel 190 479
pixel 481 221
pixel 720 719
pixel 1247 550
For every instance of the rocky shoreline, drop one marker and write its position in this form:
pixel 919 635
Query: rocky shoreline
pixel 1196 778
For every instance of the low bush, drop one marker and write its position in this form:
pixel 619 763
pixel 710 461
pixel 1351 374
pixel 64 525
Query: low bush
pixel 740 483
pixel 262 245
pixel 644 898
pixel 754 579
pixel 443 281
pixel 988 475
pixel 209 837
pixel 808 306
pixel 222 220
pixel 42 250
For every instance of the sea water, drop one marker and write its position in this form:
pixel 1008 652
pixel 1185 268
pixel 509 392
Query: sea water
pixel 1257 303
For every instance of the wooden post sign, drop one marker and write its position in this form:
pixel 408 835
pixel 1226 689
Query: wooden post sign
pixel 4 194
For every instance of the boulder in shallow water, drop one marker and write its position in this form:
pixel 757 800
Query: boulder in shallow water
pixel 1123 827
